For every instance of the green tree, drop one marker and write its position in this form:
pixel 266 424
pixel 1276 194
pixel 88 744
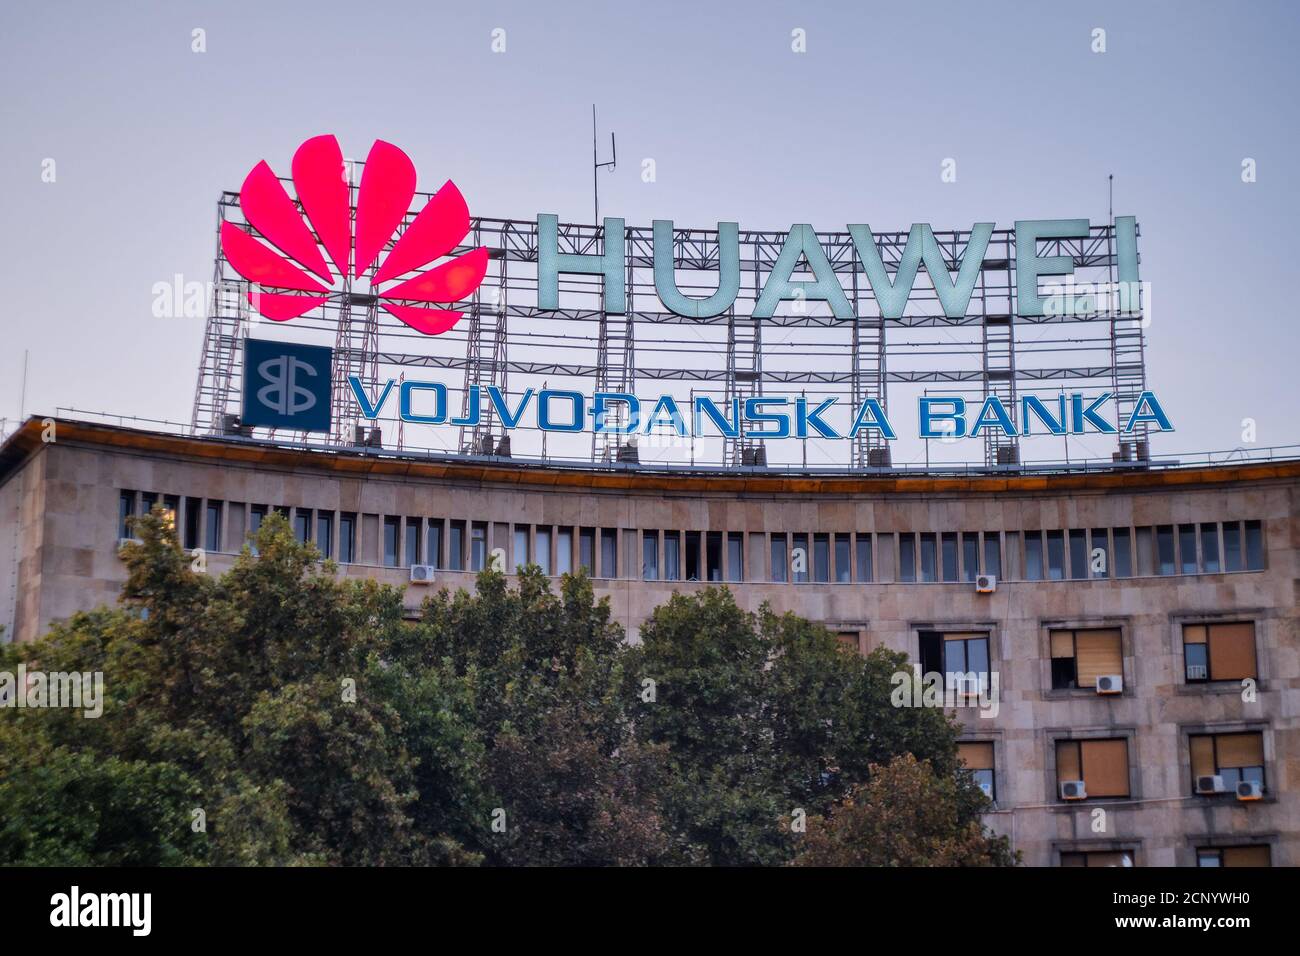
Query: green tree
pixel 906 814
pixel 277 714
pixel 226 695
pixel 765 716
pixel 564 779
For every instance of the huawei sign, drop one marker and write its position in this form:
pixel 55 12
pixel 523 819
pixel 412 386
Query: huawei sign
pixel 293 261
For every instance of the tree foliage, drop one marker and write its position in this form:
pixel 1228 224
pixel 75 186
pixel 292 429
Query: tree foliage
pixel 279 714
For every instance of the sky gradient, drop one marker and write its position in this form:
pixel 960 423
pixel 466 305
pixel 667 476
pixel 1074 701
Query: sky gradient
pixel 146 133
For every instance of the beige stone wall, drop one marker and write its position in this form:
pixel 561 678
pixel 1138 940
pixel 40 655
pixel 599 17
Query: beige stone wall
pixel 66 499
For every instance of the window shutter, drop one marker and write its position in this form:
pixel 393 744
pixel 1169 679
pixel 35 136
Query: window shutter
pixel 1202 756
pixel 976 755
pixel 1067 761
pixel 1105 767
pixel 1232 651
pixel 1246 856
pixel 1240 750
pixel 1098 653
pixel 1062 643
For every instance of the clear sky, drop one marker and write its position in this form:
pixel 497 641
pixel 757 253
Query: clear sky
pixel 145 133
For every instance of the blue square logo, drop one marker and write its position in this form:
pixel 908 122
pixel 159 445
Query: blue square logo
pixel 287 385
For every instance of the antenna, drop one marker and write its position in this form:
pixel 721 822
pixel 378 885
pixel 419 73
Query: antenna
pixel 597 165
pixel 1110 179
pixel 22 397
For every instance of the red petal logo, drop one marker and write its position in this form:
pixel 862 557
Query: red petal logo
pixel 290 257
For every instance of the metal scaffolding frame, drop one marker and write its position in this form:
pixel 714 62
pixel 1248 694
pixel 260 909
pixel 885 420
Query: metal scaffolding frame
pixel 505 339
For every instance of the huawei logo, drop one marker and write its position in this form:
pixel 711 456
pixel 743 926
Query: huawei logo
pixel 290 262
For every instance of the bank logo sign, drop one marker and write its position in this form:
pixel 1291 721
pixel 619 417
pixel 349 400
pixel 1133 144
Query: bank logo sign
pixel 287 385
pixel 293 261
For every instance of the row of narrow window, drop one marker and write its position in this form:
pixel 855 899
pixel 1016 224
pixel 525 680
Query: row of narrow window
pixel 794 557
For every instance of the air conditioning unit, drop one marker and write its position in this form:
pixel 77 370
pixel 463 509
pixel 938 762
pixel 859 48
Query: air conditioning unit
pixel 1110 684
pixel 1210 783
pixel 1250 790
pixel 422 573
pixel 985 583
pixel 1073 790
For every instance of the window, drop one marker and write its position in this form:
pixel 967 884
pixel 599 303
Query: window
pixel 212 527
pixel 928 556
pixel 1011 563
pixel 1080 657
pixel 650 555
pixel 962 657
pixel 906 557
pixel 799 558
pixel 692 556
pixel 843 559
pixel 587 550
pixel 977 757
pixel 1210 548
pixel 150 498
pixel 302 524
pixel 125 512
pixel 1099 544
pixel 1254 546
pixel 521 545
pixel 1102 765
pixel 456 546
pixel 864 557
pixel 1165 549
pixel 1056 555
pixel 886 558
pixel 608 553
pixel 821 558
pixel 1232 546
pixel 672 556
pixel 780 565
pixel 735 556
pixel 970 556
pixel 391 526
pixel 1219 652
pixel 848 641
pixel 1033 556
pixel 992 554
pixel 1078 555
pixel 1234 757
pixel 542 549
pixel 347 538
pixel 1123 553
pixel 1146 557
pixel 325 533
pixel 948 547
pixel 412 542
pixel 1187 548
pixel 713 555
pixel 477 545
pixel 433 542
pixel 256 515
pixel 171 507
pixel 1097 858
pixel 193 522
pixel 564 551
pixel 1257 855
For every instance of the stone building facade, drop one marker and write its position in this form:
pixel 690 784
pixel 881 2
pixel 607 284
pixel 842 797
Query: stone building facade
pixel 1174 588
